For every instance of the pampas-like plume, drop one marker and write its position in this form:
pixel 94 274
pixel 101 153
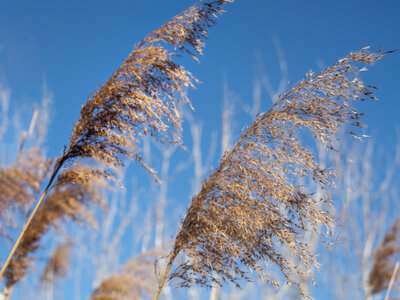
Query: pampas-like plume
pixel 141 98
pixel 385 258
pixel 19 185
pixel 251 205
pixel 135 280
pixel 58 263
pixel 67 201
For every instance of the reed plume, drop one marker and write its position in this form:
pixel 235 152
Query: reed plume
pixel 251 205
pixel 70 199
pixel 385 258
pixel 19 184
pixel 58 263
pixel 141 98
pixel 144 95
pixel 135 279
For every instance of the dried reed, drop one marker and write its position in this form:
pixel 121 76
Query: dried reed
pixel 58 263
pixel 70 199
pixel 141 98
pixel 251 205
pixel 144 95
pixel 19 185
pixel 385 258
pixel 135 280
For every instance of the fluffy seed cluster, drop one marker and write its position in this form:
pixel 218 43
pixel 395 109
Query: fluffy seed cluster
pixel 251 205
pixel 144 95
pixel 385 258
pixel 58 263
pixel 19 185
pixel 135 280
pixel 70 199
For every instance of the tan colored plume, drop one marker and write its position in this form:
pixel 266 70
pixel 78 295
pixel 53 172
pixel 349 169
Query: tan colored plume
pixel 19 185
pixel 135 279
pixel 69 200
pixel 251 205
pixel 144 95
pixel 385 258
pixel 58 263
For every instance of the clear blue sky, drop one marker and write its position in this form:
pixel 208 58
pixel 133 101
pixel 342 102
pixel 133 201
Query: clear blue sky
pixel 76 45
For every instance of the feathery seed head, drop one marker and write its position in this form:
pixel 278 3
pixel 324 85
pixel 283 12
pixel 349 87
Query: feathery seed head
pixel 76 190
pixel 385 258
pixel 135 279
pixel 19 185
pixel 144 95
pixel 58 263
pixel 251 205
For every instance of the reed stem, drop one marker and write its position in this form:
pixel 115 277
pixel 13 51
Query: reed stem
pixel 396 268
pixel 166 272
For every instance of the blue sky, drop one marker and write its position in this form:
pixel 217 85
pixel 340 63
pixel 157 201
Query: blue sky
pixel 76 45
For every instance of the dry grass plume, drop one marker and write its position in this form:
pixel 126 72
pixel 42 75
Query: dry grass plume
pixel 385 258
pixel 144 95
pixel 134 280
pixel 58 263
pixel 20 185
pixel 70 199
pixel 251 205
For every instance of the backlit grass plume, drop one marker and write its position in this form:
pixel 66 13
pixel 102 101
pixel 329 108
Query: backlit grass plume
pixel 251 205
pixel 58 264
pixel 141 98
pixel 144 95
pixel 19 185
pixel 70 199
pixel 385 258
pixel 135 279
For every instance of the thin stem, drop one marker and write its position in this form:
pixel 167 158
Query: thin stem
pixel 161 285
pixel 396 268
pixel 29 221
